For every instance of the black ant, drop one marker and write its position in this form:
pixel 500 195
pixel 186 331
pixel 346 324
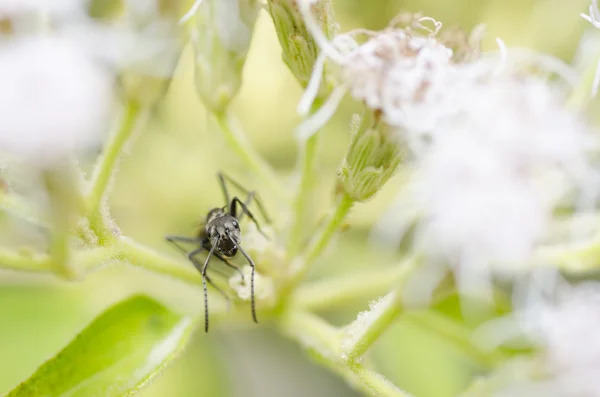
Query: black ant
pixel 221 237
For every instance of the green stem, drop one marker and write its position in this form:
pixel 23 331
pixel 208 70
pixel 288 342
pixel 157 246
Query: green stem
pixel 148 259
pixel 303 196
pixel 65 206
pixel 242 147
pixel 323 343
pixel 105 170
pixel 369 326
pixel 336 291
pixel 316 248
pixel 26 262
pixel 331 227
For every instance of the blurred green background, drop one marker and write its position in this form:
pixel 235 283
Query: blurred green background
pixel 167 183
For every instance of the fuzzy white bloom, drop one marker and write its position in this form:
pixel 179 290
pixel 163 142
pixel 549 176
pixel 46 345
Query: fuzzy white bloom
pixel 488 182
pixel 394 71
pixel 561 320
pixel 14 8
pixel 55 98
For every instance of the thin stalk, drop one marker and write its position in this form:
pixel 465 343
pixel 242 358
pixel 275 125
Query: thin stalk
pixel 316 248
pixel 106 168
pixel 369 326
pixel 242 147
pixel 323 343
pixel 333 224
pixel 151 260
pixel 39 263
pixel 303 195
pixel 337 291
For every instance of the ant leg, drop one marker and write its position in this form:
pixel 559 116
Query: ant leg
pixel 245 210
pixel 251 262
pixel 190 240
pixel 223 177
pixel 193 240
pixel 204 278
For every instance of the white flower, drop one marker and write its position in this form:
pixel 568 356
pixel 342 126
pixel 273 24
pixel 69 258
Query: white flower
pixel 55 98
pixel 489 180
pixel 561 320
pixel 14 8
pixel 392 71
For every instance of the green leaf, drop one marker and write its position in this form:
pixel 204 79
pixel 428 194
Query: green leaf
pixel 115 355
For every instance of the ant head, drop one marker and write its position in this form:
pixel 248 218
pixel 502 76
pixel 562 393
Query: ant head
pixel 225 233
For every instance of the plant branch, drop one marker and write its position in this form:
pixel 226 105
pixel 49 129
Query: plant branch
pixel 303 195
pixel 106 168
pixel 26 262
pixel 323 343
pixel 242 147
pixel 337 291
pixel 147 258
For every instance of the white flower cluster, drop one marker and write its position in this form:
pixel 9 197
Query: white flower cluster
pixel 59 79
pixel 560 320
pixel 494 148
pixel 55 98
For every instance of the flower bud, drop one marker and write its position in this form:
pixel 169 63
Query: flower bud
pixel 299 49
pixel 371 159
pixel 144 40
pixel 221 40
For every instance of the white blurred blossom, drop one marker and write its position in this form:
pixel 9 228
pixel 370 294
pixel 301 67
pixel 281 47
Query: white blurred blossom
pixel 397 72
pixel 493 172
pixel 561 321
pixel 15 8
pixel 55 98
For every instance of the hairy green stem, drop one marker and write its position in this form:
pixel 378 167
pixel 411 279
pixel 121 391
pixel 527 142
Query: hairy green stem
pixel 242 147
pixel 316 248
pixel 370 325
pixel 149 259
pixel 65 206
pixel 106 168
pixel 26 262
pixel 337 291
pixel 332 225
pixel 360 335
pixel 303 195
pixel 323 343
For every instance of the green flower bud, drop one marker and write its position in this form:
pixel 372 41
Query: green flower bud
pixel 372 157
pixel 299 49
pixel 153 39
pixel 221 41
